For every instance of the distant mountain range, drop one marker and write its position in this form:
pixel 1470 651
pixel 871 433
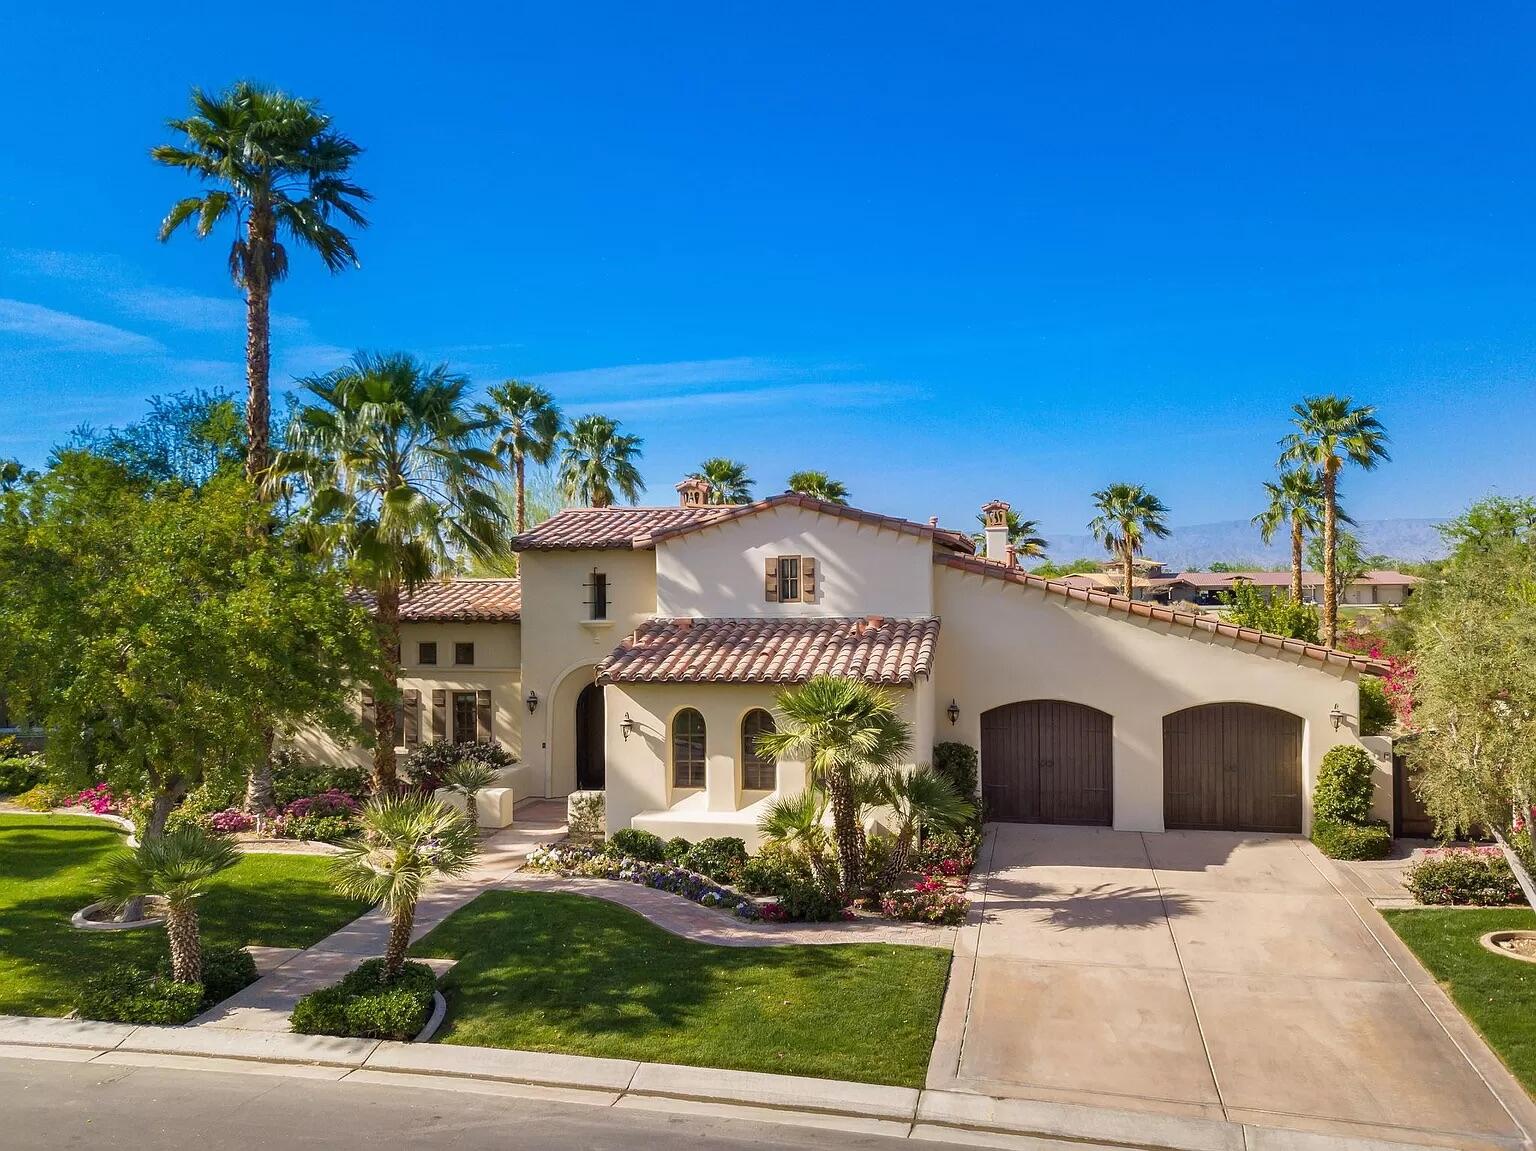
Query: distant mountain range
pixel 1237 542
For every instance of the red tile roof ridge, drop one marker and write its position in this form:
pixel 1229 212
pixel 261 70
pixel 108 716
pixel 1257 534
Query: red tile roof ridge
pixel 954 540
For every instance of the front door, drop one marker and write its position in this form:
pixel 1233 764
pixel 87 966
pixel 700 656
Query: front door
pixel 591 766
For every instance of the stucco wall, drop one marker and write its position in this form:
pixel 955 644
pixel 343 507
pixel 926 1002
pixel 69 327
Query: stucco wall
pixel 1001 642
pixel 861 570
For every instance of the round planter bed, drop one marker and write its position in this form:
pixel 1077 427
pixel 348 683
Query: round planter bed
pixel 1519 945
pixel 435 1020
pixel 97 917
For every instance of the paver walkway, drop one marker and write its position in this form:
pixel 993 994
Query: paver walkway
pixel 1209 975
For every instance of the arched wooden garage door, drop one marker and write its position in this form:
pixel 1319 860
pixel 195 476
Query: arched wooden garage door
pixel 1232 767
pixel 1045 761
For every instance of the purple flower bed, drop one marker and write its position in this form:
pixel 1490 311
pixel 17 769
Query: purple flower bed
pixel 595 864
pixel 231 820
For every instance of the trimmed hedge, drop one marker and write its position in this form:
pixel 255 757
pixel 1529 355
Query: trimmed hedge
pixel 1345 785
pixel 126 994
pixel 1464 876
pixel 363 1007
pixel 637 844
pixel 719 857
pixel 1339 840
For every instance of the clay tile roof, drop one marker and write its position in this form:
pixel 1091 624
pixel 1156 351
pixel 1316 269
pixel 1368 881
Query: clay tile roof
pixel 616 527
pixel 1154 611
pixel 459 601
pixel 887 651
pixel 943 537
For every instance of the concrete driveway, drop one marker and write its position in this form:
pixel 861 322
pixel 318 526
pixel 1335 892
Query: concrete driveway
pixel 1214 976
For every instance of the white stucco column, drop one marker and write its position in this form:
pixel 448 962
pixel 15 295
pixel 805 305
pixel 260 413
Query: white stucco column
pixel 995 516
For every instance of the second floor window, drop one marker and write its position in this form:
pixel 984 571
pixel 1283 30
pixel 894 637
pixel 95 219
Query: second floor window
pixel 789 579
pixel 464 654
pixel 426 654
pixel 598 599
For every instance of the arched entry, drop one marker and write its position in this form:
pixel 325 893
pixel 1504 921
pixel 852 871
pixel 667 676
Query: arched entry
pixel 1232 767
pixel 1048 761
pixel 591 766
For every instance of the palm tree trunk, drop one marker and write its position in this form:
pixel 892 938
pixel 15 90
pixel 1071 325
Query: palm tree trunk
pixel 399 941
pixel 845 829
pixel 901 851
pixel 1330 562
pixel 258 788
pixel 471 813
pixel 522 502
pixel 154 828
pixel 1296 558
pixel 384 780
pixel 1125 575
pixel 258 344
pixel 186 948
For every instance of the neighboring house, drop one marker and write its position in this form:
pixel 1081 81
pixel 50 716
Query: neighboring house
pixel 1372 588
pixel 653 641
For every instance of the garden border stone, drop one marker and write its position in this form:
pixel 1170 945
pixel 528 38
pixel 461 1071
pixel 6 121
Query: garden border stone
pixel 435 1020
pixel 82 921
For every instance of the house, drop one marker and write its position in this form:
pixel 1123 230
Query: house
pixel 642 649
pixel 1368 589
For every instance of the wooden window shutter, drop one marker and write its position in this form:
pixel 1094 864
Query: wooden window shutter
pixel 771 579
pixel 807 579
pixel 483 716
pixel 369 717
pixel 412 723
pixel 439 714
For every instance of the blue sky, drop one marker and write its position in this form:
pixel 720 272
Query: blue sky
pixel 945 254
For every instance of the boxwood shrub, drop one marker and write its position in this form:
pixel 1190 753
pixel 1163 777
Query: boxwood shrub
pixel 637 844
pixel 363 1007
pixel 126 994
pixel 1344 785
pixel 719 857
pixel 957 762
pixel 1464 876
pixel 20 773
pixel 1338 840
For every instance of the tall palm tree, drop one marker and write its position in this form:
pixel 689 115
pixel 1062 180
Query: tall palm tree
pixel 1128 514
pixel 728 480
pixel 820 486
pixel 178 866
pixel 921 799
pixel 1330 432
pixel 405 842
pixel 1295 503
pixel 842 729
pixel 1023 534
pixel 598 460
pixel 528 428
pixel 276 165
pixel 398 488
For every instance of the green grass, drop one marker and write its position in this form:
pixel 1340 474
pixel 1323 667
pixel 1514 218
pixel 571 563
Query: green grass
pixel 548 972
pixel 1498 995
pixel 47 863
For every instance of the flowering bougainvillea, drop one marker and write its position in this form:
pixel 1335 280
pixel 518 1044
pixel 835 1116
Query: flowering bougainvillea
pixel 99 799
pixel 928 901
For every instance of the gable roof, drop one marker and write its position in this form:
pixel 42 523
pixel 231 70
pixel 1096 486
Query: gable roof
pixel 611 527
pixel 458 601
pixel 1145 610
pixel 942 537
pixel 773 650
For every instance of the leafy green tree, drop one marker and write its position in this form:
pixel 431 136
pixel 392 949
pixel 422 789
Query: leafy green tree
pixel 1078 566
pixel 186 438
pixel 1295 505
pixel 1349 559
pixel 842 729
pixel 728 480
pixel 405 842
pixel 158 632
pixel 1023 534
pixel 1330 433
pixel 398 489
pixel 597 461
pixel 276 165
pixel 13 475
pixel 528 424
pixel 180 867
pixel 819 486
pixel 1128 513
pixel 1490 524
pixel 1247 606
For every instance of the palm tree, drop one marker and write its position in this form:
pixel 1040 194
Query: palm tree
pixel 1023 534
pixel 529 428
pixel 799 823
pixel 405 841
pixel 467 776
pixel 819 486
pixel 398 489
pixel 1330 432
pixel 1128 513
pixel 841 729
pixel 277 166
pixel 728 480
pixel 597 460
pixel 921 799
pixel 178 866
pixel 1295 503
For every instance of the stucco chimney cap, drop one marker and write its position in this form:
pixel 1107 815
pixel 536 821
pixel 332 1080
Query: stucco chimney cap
pixel 693 491
pixel 996 513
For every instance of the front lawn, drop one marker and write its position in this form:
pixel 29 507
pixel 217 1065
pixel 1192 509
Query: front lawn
pixel 548 972
pixel 47 863
pixel 1498 995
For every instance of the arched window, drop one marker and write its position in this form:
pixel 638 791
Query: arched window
pixel 688 749
pixel 758 772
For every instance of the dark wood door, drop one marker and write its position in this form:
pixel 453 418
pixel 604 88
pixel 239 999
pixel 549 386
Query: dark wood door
pixel 1232 767
pixel 1409 815
pixel 1047 761
pixel 591 764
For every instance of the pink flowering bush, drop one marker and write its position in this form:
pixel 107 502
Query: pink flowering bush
pixel 332 802
pixel 928 901
pixel 99 799
pixel 1464 876
pixel 230 820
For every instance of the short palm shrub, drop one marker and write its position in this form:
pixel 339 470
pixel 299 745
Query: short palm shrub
pixel 1339 840
pixel 1464 877
pixel 1345 785
pixel 638 844
pixel 921 799
pixel 428 765
pixel 405 842
pixel 958 763
pixel 368 1005
pixel 468 776
pixel 179 866
pixel 797 823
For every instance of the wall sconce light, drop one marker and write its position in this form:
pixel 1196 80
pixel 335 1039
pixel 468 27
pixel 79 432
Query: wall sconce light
pixel 533 702
pixel 626 725
pixel 954 712
pixel 1337 716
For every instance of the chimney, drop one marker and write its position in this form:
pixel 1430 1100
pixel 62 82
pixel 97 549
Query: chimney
pixel 693 492
pixel 995 515
pixel 933 521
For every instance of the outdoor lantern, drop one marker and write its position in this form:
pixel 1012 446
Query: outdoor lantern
pixel 626 725
pixel 533 702
pixel 1337 716
pixel 954 712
